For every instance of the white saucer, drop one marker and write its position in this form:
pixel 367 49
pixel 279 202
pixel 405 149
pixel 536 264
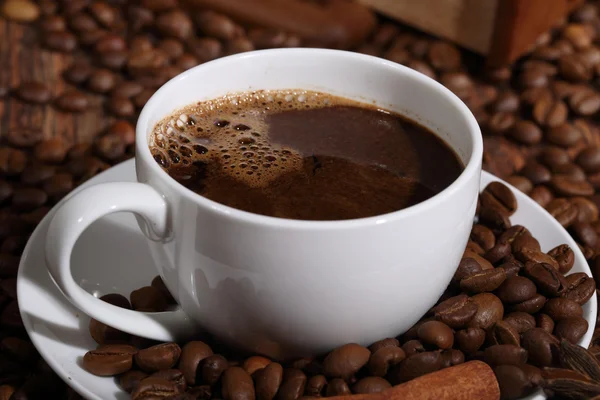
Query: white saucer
pixel 103 262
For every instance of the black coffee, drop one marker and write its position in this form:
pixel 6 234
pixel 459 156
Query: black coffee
pixel 303 155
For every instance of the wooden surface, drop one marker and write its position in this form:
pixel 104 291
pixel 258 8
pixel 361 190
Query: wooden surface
pixel 469 23
pixel 21 60
pixel 520 22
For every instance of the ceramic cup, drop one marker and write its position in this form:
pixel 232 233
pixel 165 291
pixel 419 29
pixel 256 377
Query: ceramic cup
pixel 284 288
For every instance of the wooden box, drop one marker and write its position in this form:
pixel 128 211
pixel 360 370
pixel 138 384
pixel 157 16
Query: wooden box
pixel 502 30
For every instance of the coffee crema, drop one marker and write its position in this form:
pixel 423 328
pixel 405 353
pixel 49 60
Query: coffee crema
pixel 303 155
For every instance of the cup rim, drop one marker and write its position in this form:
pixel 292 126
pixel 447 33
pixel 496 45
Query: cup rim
pixel 472 167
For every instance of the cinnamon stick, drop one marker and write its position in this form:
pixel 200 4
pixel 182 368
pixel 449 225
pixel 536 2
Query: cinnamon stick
pixel 473 380
pixel 338 23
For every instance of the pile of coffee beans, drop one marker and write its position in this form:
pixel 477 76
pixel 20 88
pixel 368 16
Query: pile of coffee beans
pixel 539 117
pixel 509 304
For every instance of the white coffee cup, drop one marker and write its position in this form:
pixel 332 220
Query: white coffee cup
pixel 284 288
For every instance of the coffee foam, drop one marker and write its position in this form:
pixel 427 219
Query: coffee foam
pixel 232 131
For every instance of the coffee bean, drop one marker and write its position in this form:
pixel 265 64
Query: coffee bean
pixel 337 387
pixel 6 391
pixel 34 92
pixel 64 41
pixel 534 95
pixel 12 161
pixel 541 195
pixel 528 255
pixel 574 68
pixel 175 24
pixel 268 380
pixel 580 288
pixel 473 247
pixel 101 81
pixel 450 81
pixel 293 384
pixel 385 358
pixel 485 281
pixel 83 22
pixel 388 342
pixel 577 35
pixel 53 150
pixel 216 25
pixel 370 384
pixel 503 332
pixel 72 101
pixel 550 112
pixel 437 334
pixel 314 386
pixel 530 306
pixel 539 345
pixel 161 356
pixel 589 159
pixel 501 194
pixel 560 307
pixel 27 199
pixel 544 322
pixel 109 360
pixel 121 107
pixel 585 102
pixel 416 365
pixel 110 146
pixel 511 267
pixel 104 334
pixel 20 10
pixel 514 382
pixel 483 236
pixel 520 321
pixel 237 385
pixel 571 329
pixel 103 13
pixel 563 135
pixel 345 361
pixel 526 132
pixel 470 340
pixel 494 216
pixel 505 354
pixel 172 375
pixel 131 379
pixel 533 78
pixel 78 73
pixel 186 61
pixel 521 183
pixel 536 173
pixel 570 171
pixel 490 310
pixel 584 233
pixel 53 23
pixel 564 212
pixel 499 252
pixel 155 388
pixel 443 56
pixel 110 43
pixel 456 311
pixel 254 363
pixel 548 280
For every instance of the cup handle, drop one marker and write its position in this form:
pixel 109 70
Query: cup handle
pixel 68 223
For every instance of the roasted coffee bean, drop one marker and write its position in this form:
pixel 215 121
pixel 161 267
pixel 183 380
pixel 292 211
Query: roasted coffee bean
pixel 175 24
pixel 574 68
pixel 563 210
pixel 37 173
pixel 6 391
pixel 470 340
pixel 587 209
pixel 104 334
pixel 186 61
pixel 506 101
pixel 216 25
pixel 483 236
pixel 500 123
pixel 484 281
pixel 254 363
pixel 539 345
pixel 27 199
pixel 505 354
pixel 34 92
pixel 370 384
pixel 456 312
pixel 494 217
pixel 571 329
pixel 148 298
pixel 526 132
pixel 12 161
pixel 83 22
pixel 293 384
pixel 62 41
pixel 172 375
pixel 385 358
pixel 473 247
pixel 541 195
pixel 501 194
pixel 205 49
pixel 548 280
pixel 564 135
pixel 388 342
pixel 528 255
pixel 452 357
pixel 154 388
pixel 530 306
pixel 131 379
pixel 520 321
pixel 584 233
pixel 504 333
pixel 121 107
pixel 78 73
pixel 568 187
pixel 553 156
pixel 580 288
pixel 337 387
pixel 210 367
pixel 436 334
pixel 449 80
pixel 533 78
pixel 161 356
pixel 314 386
pixel 515 382
pixel 467 267
pixel 536 173
pixel 101 81
pixel 521 183
pixel 53 23
pixel 516 289
pixel 237 385
pixel 268 380
pixel 570 171
pixel 345 361
pixel 413 347
pixel 549 112
pixel 109 360
pixel 499 252
pixel 560 307
pixel 110 146
pixel 110 43
pixel 24 137
pixel 544 322
pixel 589 159
pixel 585 102
pixel 53 150
pixel 416 365
pixel 58 185
pixel 443 56
pixel 490 310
